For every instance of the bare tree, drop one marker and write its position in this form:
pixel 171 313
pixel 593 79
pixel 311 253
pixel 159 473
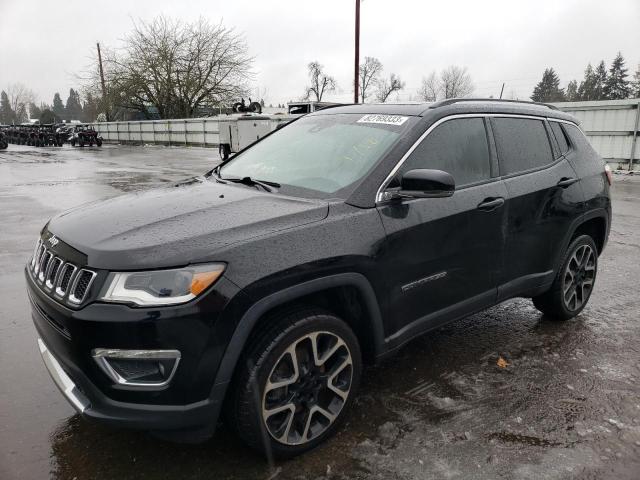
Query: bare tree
pixel 456 82
pixel 320 82
pixel 387 86
pixel 430 89
pixel 176 67
pixel 369 72
pixel 19 98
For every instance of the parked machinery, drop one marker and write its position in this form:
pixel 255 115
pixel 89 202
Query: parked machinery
pixel 3 140
pixel 242 107
pixel 51 135
pixel 84 135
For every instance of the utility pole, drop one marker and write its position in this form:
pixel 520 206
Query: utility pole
pixel 104 86
pixel 502 90
pixel 357 59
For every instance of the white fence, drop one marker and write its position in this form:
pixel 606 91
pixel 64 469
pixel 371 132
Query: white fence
pixel 611 125
pixel 201 132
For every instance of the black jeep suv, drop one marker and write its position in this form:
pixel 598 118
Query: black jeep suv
pixel 264 285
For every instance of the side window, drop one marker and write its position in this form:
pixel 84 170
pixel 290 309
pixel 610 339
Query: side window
pixel 558 132
pixel 577 137
pixel 458 147
pixel 522 144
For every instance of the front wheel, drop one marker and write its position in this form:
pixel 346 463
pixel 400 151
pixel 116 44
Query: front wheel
pixel 296 383
pixel 574 282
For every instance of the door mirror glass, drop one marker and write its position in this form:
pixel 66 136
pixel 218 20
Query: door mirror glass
pixel 426 183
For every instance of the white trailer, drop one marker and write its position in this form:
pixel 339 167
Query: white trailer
pixel 239 131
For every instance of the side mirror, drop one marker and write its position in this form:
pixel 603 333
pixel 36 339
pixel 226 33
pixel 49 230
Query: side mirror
pixel 425 183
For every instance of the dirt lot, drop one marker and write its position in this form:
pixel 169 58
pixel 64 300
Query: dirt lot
pixel 567 404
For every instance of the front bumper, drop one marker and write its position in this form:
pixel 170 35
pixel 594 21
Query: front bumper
pixel 191 402
pixel 62 380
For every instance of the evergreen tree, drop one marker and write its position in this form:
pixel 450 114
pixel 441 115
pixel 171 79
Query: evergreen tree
pixel 48 116
pixel 600 82
pixel 90 109
pixel 548 89
pixel 572 91
pixel 58 107
pixel 635 86
pixel 588 85
pixel 617 86
pixel 34 111
pixel 7 116
pixel 73 109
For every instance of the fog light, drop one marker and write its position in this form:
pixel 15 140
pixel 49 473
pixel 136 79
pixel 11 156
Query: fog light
pixel 139 369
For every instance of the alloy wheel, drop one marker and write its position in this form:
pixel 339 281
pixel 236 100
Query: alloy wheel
pixel 307 388
pixel 579 276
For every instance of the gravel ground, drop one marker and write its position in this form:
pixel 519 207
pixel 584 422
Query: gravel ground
pixel 564 404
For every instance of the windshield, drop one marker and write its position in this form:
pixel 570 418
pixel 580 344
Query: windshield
pixel 319 153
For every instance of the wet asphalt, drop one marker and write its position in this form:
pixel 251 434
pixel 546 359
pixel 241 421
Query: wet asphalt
pixel 564 404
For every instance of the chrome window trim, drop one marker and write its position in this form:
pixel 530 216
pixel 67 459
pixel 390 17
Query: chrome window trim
pixel 101 356
pixel 72 297
pixel 380 192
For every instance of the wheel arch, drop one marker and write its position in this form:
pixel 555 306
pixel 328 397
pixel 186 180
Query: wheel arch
pixel 594 223
pixel 250 321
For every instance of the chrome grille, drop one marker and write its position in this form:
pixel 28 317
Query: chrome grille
pixel 59 278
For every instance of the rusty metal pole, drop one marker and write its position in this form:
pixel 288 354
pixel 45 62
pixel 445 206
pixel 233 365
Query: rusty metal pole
pixel 357 59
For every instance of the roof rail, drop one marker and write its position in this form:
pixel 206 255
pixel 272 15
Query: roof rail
pixel 451 101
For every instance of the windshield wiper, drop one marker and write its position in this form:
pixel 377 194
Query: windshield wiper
pixel 268 186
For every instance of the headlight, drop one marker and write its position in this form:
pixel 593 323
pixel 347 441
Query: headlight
pixel 160 287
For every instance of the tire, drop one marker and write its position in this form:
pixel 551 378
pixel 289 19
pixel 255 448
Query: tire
pixel 99 142
pixel 287 432
pixel 574 282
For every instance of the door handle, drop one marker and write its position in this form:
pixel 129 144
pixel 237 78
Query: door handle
pixel 489 204
pixel 566 181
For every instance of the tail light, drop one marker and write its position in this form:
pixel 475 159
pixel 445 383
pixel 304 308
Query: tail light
pixel 609 174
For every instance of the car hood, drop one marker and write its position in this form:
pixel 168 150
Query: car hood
pixel 178 225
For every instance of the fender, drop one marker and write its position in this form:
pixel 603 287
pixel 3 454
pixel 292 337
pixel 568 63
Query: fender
pixel 597 213
pixel 258 309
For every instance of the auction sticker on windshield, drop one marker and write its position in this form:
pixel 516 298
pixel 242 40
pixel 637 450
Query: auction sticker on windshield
pixel 385 119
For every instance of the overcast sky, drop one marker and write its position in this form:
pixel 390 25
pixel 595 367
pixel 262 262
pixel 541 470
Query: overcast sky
pixel 45 43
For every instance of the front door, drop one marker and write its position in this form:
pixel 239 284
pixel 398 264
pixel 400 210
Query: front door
pixel 442 256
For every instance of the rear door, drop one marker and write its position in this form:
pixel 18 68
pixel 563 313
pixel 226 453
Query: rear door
pixel 544 197
pixel 441 255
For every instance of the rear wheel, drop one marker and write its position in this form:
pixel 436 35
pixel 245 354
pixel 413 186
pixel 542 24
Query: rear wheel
pixel 574 282
pixel 297 382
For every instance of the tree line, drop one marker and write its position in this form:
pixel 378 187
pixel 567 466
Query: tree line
pixel 452 82
pixel 18 105
pixel 601 83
